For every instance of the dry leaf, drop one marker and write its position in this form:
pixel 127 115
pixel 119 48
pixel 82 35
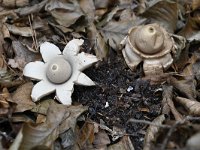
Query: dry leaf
pixel 192 106
pixel 31 9
pixel 114 31
pixel 85 136
pixel 168 104
pixel 164 13
pixel 186 86
pixel 69 10
pixel 22 56
pixel 4 102
pixel 70 122
pixel 101 140
pixel 97 42
pixel 191 29
pixel 23 31
pixel 45 133
pixel 152 132
pixel 43 106
pixel 124 144
pixel 22 97
pixel 14 3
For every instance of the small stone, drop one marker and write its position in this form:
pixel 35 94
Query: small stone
pixel 130 88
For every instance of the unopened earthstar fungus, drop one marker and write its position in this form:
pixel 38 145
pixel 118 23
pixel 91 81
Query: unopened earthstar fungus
pixel 59 71
pixel 150 44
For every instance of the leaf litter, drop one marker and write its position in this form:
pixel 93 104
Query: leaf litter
pixel 152 115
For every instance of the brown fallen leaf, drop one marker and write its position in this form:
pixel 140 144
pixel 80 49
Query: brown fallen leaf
pixel 164 13
pixel 43 106
pixel 70 122
pixel 31 9
pixel 192 106
pixel 98 42
pixel 23 31
pixel 152 132
pixel 45 133
pixel 124 144
pixel 101 140
pixel 22 56
pixel 69 10
pixel 85 136
pixel 4 102
pixel 168 104
pixel 191 29
pixel 14 3
pixel 186 85
pixel 22 97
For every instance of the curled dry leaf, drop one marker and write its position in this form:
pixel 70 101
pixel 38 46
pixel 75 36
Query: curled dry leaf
pixel 59 119
pixel 22 97
pixel 31 9
pixel 152 132
pixel 86 136
pixel 192 106
pixel 101 140
pixel 69 10
pixel 186 86
pixel 98 42
pixel 114 31
pixel 164 13
pixel 193 142
pixel 4 102
pixel 191 30
pixel 23 31
pixel 14 3
pixel 124 144
pixel 22 56
pixel 168 104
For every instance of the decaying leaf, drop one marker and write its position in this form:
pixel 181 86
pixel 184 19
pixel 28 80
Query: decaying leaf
pixel 101 140
pixel 99 44
pixel 186 86
pixel 70 122
pixel 192 106
pixel 168 104
pixel 114 31
pixel 86 136
pixel 22 56
pixel 4 102
pixel 152 132
pixel 69 10
pixel 191 29
pixel 164 13
pixel 124 144
pixel 44 134
pixel 22 97
pixel 14 3
pixel 42 107
pixel 23 31
pixel 31 9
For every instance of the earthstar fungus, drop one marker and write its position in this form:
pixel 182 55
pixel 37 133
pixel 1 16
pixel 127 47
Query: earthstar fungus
pixel 150 44
pixel 59 71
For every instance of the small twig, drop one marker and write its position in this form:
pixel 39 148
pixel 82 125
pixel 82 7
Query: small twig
pixel 148 122
pixel 177 123
pixel 168 104
pixel 33 32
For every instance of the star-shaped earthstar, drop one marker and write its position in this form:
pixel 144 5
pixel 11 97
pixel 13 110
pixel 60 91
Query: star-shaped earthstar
pixel 59 71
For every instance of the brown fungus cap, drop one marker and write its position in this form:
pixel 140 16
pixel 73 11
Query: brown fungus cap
pixel 150 41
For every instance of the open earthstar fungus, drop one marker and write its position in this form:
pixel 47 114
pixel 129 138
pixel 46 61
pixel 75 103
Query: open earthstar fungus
pixel 150 44
pixel 59 71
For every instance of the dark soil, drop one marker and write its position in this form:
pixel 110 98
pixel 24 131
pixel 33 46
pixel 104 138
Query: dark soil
pixel 127 95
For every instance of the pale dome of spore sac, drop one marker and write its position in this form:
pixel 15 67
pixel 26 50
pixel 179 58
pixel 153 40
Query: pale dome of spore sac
pixel 148 39
pixel 59 71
